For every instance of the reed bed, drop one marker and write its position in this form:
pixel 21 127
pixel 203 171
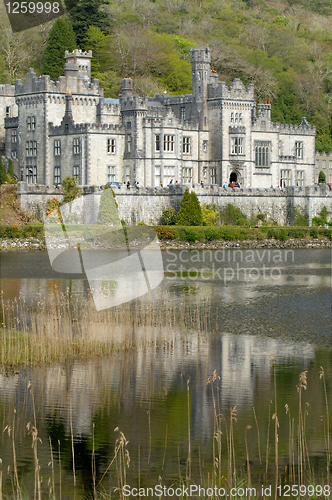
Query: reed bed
pixel 225 471
pixel 60 327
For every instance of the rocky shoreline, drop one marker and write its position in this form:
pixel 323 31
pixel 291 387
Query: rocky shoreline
pixel 40 244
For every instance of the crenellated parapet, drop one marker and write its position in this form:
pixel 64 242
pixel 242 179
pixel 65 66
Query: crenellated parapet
pixel 304 128
pixel 43 84
pixel 78 53
pixel 11 122
pixel 83 128
pixel 133 103
pixel 236 91
pixel 7 90
pixel 178 99
pixel 111 109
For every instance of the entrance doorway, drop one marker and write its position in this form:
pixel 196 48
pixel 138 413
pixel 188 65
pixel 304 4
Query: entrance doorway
pixel 233 177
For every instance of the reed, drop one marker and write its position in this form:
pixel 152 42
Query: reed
pixel 61 327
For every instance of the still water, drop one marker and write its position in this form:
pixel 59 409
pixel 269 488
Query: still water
pixel 271 315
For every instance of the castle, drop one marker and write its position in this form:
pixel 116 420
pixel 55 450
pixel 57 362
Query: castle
pixel 217 134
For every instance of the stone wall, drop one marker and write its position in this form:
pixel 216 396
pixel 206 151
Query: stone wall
pixel 147 204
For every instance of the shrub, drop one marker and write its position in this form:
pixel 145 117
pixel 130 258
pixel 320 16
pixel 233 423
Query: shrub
pixel 53 207
pixel 190 234
pixel 227 234
pixel 10 168
pixel 282 234
pixel 328 233
pixel 71 189
pixel 261 217
pixel 233 216
pixel 141 223
pixel 169 216
pixel 300 217
pixel 190 213
pixel 210 215
pixel 2 172
pixel 321 177
pixel 108 208
pixel 321 218
pixel 165 234
pixel 296 232
pixel 211 234
pixel 314 232
pixel 11 231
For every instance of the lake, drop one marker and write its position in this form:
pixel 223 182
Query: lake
pixel 269 319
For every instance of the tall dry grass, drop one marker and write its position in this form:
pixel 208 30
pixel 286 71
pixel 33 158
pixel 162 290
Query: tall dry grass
pixel 60 327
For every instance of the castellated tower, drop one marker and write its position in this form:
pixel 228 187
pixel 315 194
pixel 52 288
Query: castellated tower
pixel 200 72
pixel 83 62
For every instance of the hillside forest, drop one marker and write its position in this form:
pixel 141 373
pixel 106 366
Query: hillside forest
pixel 283 47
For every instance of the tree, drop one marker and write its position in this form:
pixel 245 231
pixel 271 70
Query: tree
pixel 321 177
pixel 190 213
pixel 2 172
pixel 16 52
pixel 10 167
pixel 86 14
pixel 60 39
pixel 108 208
pixel 71 189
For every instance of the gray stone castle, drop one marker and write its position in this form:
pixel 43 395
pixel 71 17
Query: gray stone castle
pixel 217 134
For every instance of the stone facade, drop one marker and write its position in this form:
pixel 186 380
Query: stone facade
pixel 324 164
pixel 147 204
pixel 215 135
pixel 8 109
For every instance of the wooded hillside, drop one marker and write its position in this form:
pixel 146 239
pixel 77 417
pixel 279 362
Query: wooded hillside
pixel 284 48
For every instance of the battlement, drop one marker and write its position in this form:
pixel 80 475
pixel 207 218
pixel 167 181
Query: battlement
pixel 11 122
pixel 236 90
pixel 78 53
pixel 288 158
pixel 80 128
pixel 133 103
pixel 113 109
pixel 178 99
pixel 7 90
pixel 303 128
pixel 33 84
pixel 324 155
pixel 202 55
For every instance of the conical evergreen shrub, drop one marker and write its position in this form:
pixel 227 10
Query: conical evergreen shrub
pixel 108 208
pixel 2 172
pixel 190 213
pixel 10 167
